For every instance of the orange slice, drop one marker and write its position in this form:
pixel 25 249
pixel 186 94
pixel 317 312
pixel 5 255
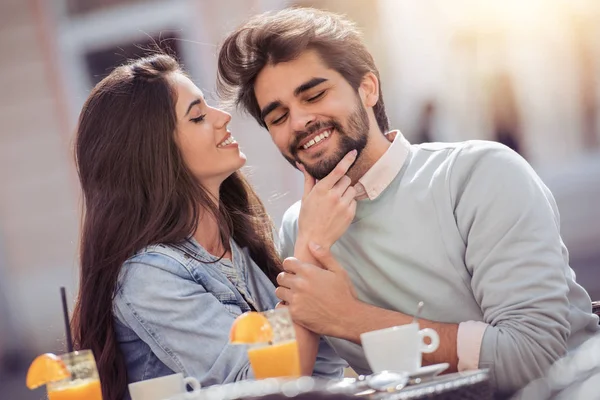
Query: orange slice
pixel 251 327
pixel 46 368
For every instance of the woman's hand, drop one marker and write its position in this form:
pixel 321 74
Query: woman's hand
pixel 308 346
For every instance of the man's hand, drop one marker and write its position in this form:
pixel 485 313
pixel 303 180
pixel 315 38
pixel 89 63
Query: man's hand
pixel 328 206
pixel 324 301
pixel 316 296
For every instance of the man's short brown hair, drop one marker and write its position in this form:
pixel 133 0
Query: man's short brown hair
pixel 275 37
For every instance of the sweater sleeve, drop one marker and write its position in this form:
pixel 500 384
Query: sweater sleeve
pixel 518 263
pixel 289 231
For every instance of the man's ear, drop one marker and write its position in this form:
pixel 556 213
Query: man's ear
pixel 369 89
pixel 391 135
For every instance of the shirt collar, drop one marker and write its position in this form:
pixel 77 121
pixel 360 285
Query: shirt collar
pixel 383 172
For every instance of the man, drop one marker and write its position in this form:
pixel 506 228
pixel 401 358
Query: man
pixel 468 228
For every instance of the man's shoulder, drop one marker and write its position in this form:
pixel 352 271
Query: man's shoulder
pixel 474 154
pixel 457 161
pixel 433 147
pixel 477 147
pixel 489 157
pixel 465 148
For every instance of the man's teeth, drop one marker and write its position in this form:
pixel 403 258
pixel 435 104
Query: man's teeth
pixel 226 142
pixel 317 139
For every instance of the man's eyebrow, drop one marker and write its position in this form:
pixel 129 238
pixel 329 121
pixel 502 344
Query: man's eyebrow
pixel 192 104
pixel 308 85
pixel 269 108
pixel 300 89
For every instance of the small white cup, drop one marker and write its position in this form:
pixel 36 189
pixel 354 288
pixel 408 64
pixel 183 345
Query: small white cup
pixel 398 348
pixel 162 388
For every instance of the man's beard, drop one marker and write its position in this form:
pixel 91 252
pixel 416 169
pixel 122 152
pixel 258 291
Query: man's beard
pixel 355 138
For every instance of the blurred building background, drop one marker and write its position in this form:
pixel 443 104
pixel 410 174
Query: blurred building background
pixel 525 73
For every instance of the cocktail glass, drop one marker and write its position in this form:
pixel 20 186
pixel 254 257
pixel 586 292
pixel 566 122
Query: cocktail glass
pixel 279 357
pixel 83 383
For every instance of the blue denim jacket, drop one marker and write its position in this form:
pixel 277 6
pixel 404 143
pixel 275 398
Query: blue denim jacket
pixel 174 308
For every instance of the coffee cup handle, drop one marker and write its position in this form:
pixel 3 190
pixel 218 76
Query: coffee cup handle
pixel 193 382
pixel 433 336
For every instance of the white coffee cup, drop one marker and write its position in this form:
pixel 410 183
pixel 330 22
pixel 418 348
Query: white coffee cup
pixel 398 348
pixel 162 388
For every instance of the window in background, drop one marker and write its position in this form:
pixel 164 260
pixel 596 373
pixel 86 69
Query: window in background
pixel 95 36
pixel 80 7
pixel 101 62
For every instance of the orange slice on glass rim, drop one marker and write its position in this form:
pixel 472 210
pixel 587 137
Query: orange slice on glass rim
pixel 250 328
pixel 46 368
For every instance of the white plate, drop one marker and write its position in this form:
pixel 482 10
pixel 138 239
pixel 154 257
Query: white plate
pixel 429 371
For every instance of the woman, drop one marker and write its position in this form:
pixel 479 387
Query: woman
pixel 175 243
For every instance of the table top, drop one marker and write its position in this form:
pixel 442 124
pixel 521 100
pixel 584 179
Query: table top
pixel 469 384
pixel 461 385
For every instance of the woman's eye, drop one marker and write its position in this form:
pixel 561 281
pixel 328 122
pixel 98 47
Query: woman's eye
pixel 198 119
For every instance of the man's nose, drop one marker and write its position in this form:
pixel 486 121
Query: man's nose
pixel 301 120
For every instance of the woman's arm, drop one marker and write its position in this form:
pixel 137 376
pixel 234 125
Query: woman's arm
pixel 185 326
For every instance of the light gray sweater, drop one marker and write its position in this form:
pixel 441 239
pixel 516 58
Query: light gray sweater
pixel 471 230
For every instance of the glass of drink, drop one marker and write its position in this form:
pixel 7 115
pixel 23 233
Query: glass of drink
pixel 279 357
pixel 83 383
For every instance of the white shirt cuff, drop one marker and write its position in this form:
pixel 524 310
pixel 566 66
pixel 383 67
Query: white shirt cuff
pixel 468 344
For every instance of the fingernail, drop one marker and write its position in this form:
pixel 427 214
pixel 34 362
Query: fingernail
pixel 314 246
pixel 298 165
pixel 354 152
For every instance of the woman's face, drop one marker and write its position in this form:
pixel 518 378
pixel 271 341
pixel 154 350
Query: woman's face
pixel 208 149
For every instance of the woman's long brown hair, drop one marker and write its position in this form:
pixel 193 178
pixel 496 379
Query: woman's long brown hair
pixel 137 191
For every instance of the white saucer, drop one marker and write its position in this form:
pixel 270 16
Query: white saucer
pixel 429 371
